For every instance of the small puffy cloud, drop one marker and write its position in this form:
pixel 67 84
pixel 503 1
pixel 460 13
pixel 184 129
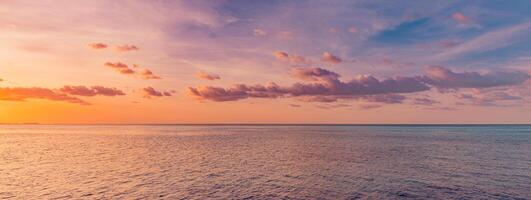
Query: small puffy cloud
pixel 294 59
pixel 120 67
pixel 217 93
pixel 295 105
pixel 22 94
pixel 98 45
pixel 149 92
pixel 91 91
pixel 461 18
pixel 259 32
pixel 280 55
pixel 126 48
pixel 125 69
pixel 1 79
pixel 148 74
pixel 328 57
pixel 206 76
pixel 313 74
pixel 444 78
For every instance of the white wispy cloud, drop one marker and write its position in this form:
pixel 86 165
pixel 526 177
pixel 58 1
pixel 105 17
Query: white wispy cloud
pixel 488 41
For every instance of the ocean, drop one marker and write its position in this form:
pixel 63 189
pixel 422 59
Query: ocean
pixel 265 162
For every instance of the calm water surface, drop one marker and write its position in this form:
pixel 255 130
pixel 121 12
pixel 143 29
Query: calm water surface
pixel 265 162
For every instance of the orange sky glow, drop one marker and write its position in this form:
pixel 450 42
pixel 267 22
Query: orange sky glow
pixel 235 62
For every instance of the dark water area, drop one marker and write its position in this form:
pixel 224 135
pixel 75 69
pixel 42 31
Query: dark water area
pixel 265 162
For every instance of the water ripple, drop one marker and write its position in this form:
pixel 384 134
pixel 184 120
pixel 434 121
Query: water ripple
pixel 265 162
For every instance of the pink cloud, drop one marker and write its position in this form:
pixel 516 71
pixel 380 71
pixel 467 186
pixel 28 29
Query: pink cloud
pixel 206 76
pixel 461 18
pixel 91 91
pixel 120 67
pixel 22 94
pixel 280 55
pixel 98 45
pixel 444 78
pixel 149 92
pixel 313 74
pixel 328 57
pixel 125 69
pixel 148 74
pixel 126 48
pixel 294 59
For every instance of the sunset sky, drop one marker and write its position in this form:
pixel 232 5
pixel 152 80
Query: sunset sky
pixel 246 61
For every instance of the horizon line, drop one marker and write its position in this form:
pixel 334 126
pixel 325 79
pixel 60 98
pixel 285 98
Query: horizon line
pixel 273 124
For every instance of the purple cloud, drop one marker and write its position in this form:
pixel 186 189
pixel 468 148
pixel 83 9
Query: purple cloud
pixel 237 92
pixel 327 86
pixel 321 85
pixel 91 91
pixel 488 98
pixel 444 78
pixel 313 74
pixel 328 57
pixel 149 92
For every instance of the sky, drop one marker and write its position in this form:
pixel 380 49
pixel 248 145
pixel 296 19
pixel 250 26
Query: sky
pixel 250 61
